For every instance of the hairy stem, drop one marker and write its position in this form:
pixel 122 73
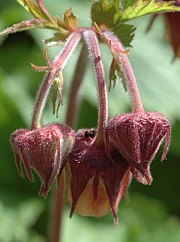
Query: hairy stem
pixel 57 65
pixel 120 53
pixel 41 100
pixel 93 46
pixel 75 87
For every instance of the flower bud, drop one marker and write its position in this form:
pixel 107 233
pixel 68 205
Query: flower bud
pixel 96 183
pixel 138 136
pixel 43 150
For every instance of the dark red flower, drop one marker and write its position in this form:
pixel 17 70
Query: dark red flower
pixel 138 136
pixel 42 150
pixel 96 184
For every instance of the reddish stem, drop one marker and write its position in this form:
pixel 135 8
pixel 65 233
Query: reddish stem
pixel 57 65
pixel 93 46
pixel 120 53
pixel 41 100
pixel 58 206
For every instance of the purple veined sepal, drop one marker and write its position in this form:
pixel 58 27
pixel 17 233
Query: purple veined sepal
pixel 138 137
pixel 42 150
pixel 95 184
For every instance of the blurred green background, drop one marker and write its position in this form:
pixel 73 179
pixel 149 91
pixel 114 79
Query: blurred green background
pixel 153 212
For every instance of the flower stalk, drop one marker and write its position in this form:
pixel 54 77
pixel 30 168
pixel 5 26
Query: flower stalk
pixel 57 213
pixel 93 45
pixel 56 66
pixel 120 54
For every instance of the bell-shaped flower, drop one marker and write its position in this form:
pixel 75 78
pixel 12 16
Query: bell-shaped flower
pixel 138 137
pixel 42 150
pixel 96 184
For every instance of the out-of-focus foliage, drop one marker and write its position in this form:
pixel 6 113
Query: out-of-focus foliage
pixel 144 218
pixel 16 221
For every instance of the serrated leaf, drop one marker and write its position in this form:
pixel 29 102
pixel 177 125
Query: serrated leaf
pixel 37 9
pixel 32 7
pixel 70 19
pixel 105 12
pixel 60 22
pixel 144 7
pixel 25 25
pixel 44 20
pixel 125 33
pixel 23 3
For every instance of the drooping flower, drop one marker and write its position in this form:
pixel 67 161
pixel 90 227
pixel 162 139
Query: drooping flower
pixel 42 150
pixel 138 137
pixel 96 183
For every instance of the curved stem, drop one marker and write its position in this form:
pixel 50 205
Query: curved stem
pixel 119 53
pixel 41 100
pixel 93 46
pixel 57 65
pixel 75 87
pixel 71 43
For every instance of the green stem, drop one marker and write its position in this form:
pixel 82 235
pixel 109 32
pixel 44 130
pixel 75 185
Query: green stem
pixel 93 46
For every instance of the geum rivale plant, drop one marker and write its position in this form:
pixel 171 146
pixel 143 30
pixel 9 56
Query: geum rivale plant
pixel 98 164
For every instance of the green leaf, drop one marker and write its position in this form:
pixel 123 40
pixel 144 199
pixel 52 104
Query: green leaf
pixel 57 38
pixel 137 8
pixel 125 33
pixel 25 25
pixel 26 213
pixel 107 15
pixel 37 9
pixel 127 3
pixel 105 12
pixel 142 219
pixel 32 7
pixel 70 19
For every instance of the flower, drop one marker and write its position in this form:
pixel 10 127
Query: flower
pixel 138 136
pixel 96 183
pixel 43 150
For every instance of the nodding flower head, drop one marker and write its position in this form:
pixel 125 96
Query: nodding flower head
pixel 138 137
pixel 96 183
pixel 43 150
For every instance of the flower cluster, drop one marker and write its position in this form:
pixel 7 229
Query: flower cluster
pixel 99 163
